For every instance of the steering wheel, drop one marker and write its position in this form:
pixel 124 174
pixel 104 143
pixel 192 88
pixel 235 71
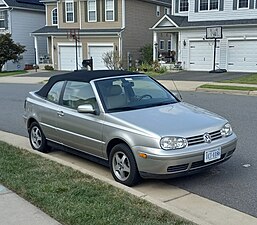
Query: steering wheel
pixel 145 96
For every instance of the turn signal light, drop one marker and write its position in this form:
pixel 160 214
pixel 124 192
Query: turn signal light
pixel 143 155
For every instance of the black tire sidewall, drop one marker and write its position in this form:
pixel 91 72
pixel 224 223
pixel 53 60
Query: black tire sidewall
pixel 134 176
pixel 43 146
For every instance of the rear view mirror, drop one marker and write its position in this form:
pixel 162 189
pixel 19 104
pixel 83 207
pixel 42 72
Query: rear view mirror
pixel 87 108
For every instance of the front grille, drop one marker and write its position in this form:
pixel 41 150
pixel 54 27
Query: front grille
pixel 178 168
pixel 202 163
pixel 199 139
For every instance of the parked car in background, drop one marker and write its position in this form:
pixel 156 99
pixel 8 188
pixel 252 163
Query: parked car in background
pixel 129 121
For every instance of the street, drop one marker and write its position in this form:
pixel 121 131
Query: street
pixel 232 183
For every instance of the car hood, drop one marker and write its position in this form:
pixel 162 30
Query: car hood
pixel 179 119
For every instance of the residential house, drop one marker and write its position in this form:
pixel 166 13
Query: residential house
pixel 236 48
pixel 97 27
pixel 20 18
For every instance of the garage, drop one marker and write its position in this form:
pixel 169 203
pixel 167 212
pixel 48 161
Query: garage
pixel 201 55
pixel 97 53
pixel 67 57
pixel 242 55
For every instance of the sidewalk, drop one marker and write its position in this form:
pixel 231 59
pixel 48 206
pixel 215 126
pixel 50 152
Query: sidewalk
pixel 15 210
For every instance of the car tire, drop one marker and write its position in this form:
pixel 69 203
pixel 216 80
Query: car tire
pixel 123 165
pixel 37 138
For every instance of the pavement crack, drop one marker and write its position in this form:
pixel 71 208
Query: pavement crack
pixel 169 200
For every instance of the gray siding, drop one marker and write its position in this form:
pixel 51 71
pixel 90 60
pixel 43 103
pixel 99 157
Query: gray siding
pixel 140 16
pixel 229 12
pixel 21 24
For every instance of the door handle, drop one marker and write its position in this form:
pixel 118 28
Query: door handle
pixel 60 113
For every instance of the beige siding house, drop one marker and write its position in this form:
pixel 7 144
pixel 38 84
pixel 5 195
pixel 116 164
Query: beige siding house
pixel 97 27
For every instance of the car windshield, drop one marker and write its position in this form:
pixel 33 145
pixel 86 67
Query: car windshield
pixel 133 92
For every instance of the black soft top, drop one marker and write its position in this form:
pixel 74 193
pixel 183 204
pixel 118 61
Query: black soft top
pixel 81 75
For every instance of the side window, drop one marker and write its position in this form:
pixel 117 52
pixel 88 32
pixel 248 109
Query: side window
pixel 78 93
pixel 55 92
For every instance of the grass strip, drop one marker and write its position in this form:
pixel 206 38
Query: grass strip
pixel 12 73
pixel 249 79
pixel 72 197
pixel 227 87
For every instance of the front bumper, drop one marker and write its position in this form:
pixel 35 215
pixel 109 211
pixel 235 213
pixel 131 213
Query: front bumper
pixel 177 163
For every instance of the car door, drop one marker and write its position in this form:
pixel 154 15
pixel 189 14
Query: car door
pixel 49 112
pixel 81 131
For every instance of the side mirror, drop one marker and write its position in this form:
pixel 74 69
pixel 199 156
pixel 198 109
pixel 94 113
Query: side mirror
pixel 87 108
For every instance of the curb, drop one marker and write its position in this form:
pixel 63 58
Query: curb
pixel 187 206
pixel 222 91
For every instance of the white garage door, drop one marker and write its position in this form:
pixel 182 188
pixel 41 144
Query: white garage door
pixel 97 53
pixel 242 56
pixel 67 57
pixel 201 55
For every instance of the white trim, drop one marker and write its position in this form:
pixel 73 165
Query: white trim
pixel 207 10
pixel 52 41
pixel 80 17
pixel 158 11
pixel 164 17
pixel 54 24
pixel 109 10
pixel 66 18
pixel 95 20
pixel 123 14
pixel 100 44
pixel 163 41
pixel 243 7
pixel 179 7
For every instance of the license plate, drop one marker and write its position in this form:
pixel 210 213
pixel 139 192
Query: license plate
pixel 211 155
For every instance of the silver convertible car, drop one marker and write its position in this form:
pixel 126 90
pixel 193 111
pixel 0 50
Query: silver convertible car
pixel 129 121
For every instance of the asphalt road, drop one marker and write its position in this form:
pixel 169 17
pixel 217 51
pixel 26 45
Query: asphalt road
pixel 233 183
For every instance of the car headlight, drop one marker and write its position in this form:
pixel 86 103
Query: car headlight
pixel 226 130
pixel 172 143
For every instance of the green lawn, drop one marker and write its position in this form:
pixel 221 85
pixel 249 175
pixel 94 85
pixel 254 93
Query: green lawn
pixel 72 197
pixel 12 73
pixel 249 79
pixel 226 87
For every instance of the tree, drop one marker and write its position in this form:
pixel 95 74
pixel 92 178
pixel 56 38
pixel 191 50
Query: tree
pixel 111 60
pixel 9 50
pixel 147 54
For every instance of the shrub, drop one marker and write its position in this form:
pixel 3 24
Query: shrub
pixel 147 54
pixel 48 67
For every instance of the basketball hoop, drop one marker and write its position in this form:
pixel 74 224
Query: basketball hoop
pixel 213 32
pixel 73 34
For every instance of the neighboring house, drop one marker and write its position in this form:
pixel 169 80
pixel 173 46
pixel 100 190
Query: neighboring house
pixel 100 26
pixel 20 18
pixel 236 51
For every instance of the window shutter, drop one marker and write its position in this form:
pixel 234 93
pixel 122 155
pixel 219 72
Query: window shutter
pixel 103 10
pixel 221 5
pixel 63 12
pixel 86 12
pixel 196 5
pixel 234 4
pixel 6 20
pixel 176 6
pixel 75 13
pixel 251 6
pixel 116 10
pixel 256 4
pixel 98 10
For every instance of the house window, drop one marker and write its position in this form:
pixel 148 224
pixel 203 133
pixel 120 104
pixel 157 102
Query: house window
pixel 183 5
pixel 54 17
pixel 109 10
pixel 2 19
pixel 69 11
pixel 158 11
pixel 167 10
pixel 169 45
pixel 161 44
pixel 242 4
pixel 91 5
pixel 209 5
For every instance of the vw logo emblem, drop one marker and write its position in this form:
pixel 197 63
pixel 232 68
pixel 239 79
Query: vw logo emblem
pixel 207 138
